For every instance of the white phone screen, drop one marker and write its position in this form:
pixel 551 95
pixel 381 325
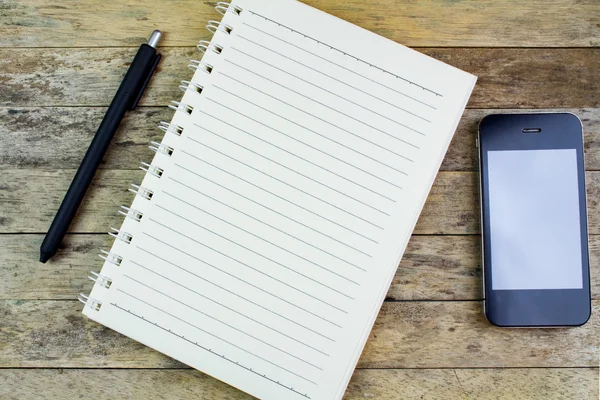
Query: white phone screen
pixel 535 231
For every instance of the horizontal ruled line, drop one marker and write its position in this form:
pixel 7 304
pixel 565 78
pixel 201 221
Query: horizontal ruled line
pixel 263 239
pixel 264 256
pixel 233 293
pixel 338 80
pixel 269 225
pixel 304 143
pixel 204 331
pixel 243 332
pixel 321 135
pixel 321 104
pixel 317 102
pixel 347 54
pixel 270 209
pixel 319 118
pixel 286 167
pixel 328 91
pixel 297 156
pixel 241 280
pixel 250 267
pixel 290 185
pixel 341 66
pixel 227 307
pixel 279 197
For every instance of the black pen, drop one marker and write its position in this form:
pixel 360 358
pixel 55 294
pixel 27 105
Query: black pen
pixel 127 98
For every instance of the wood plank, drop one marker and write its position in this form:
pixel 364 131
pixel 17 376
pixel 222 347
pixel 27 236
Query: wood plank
pixel 482 384
pixel 508 78
pixel 87 23
pixel 80 76
pixel 54 334
pixel 27 133
pixel 34 196
pixel 523 384
pixel 436 334
pixel 449 268
pixel 64 277
pixel 433 268
pixel 414 23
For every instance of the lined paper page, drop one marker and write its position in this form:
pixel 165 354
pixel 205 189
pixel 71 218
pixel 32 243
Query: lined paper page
pixel 273 234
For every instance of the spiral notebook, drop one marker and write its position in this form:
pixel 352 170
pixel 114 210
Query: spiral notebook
pixel 264 237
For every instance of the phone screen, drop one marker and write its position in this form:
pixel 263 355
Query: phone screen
pixel 535 232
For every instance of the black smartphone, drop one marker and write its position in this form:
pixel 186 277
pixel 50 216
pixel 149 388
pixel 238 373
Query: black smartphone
pixel 534 220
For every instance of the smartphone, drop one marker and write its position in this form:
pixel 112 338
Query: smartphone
pixel 534 220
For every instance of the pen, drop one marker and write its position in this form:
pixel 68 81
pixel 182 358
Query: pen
pixel 127 98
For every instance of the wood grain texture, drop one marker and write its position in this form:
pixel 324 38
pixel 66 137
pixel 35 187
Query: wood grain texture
pixel 436 334
pixel 54 90
pixel 508 78
pixel 58 137
pixel 547 23
pixel 406 335
pixel 76 77
pixel 430 384
pixel 433 268
pixel 31 198
pixel 27 133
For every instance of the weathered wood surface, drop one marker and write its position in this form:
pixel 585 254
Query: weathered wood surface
pixel 26 133
pixel 30 198
pixel 87 23
pixel 59 66
pixel 414 334
pixel 508 78
pixel 430 384
pixel 433 268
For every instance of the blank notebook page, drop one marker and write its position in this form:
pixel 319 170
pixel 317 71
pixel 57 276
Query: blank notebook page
pixel 297 172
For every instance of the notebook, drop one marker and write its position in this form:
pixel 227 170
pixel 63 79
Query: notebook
pixel 266 232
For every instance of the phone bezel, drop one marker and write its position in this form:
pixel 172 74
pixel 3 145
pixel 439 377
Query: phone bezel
pixel 533 308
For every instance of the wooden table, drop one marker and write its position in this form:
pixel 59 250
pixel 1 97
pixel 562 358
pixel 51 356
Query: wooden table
pixel 60 63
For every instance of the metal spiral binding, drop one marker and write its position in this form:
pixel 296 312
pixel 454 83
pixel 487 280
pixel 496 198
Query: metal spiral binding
pixel 214 26
pixel 205 45
pixel 152 169
pixel 100 279
pixel 89 302
pixel 161 148
pixel 111 258
pixel 177 106
pixel 186 85
pixel 141 191
pixel 222 7
pixel 131 213
pixel 195 65
pixel 122 236
pixel 170 127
